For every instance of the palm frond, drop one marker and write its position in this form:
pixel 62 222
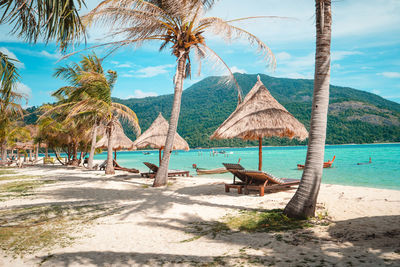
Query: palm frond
pixel 52 20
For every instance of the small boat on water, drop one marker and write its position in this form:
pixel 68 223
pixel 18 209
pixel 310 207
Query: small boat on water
pixel 212 171
pixel 327 164
pixel 201 171
pixel 146 153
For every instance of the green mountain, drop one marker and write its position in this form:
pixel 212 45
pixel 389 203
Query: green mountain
pixel 354 116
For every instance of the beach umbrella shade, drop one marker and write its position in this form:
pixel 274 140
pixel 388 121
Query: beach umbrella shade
pixel 258 116
pixel 120 140
pixel 156 135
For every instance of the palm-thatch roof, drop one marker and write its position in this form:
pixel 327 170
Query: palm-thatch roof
pixel 120 140
pixel 156 135
pixel 24 145
pixel 260 115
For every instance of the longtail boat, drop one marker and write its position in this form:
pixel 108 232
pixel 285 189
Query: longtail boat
pixel 327 164
pixel 212 171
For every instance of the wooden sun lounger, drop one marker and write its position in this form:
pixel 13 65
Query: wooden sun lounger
pixel 234 168
pixel 154 168
pixel 117 167
pixel 262 181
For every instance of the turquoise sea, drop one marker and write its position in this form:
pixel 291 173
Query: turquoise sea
pixel 383 172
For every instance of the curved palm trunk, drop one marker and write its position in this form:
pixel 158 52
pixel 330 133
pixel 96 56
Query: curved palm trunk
pixel 110 163
pixel 46 152
pixel 162 174
pixel 93 146
pixel 304 201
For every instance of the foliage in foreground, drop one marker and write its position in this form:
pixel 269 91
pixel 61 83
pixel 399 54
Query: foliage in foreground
pixel 254 221
pixel 30 229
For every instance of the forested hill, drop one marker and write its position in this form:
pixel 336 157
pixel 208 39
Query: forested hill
pixel 354 116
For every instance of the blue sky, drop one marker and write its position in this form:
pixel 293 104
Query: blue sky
pixel 365 50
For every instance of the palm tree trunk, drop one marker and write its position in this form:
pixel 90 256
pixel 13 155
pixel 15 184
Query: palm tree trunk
pixel 162 173
pixel 75 160
pixel 110 163
pixel 4 152
pixel 303 203
pixel 37 151
pixel 93 147
pixel 46 152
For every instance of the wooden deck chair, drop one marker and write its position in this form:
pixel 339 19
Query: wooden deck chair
pixel 234 168
pixel 263 181
pixel 154 169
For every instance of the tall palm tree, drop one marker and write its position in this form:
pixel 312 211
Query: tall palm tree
pixel 303 203
pixel 178 25
pixel 10 100
pixel 88 99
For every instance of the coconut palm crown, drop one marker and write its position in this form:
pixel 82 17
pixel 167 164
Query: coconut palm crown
pixel 180 26
pixel 88 97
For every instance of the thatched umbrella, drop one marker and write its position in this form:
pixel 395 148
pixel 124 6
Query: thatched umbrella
pixel 120 140
pixel 156 135
pixel 258 116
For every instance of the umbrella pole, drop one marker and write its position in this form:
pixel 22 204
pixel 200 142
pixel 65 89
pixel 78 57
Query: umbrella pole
pixel 259 153
pixel 115 154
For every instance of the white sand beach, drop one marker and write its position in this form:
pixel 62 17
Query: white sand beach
pixel 121 220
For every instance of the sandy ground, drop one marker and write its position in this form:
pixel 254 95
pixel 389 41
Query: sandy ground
pixel 145 226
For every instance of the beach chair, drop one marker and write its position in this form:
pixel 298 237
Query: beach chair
pixel 263 181
pixel 153 169
pixel 48 160
pixel 234 168
pixel 103 165
pixel 120 168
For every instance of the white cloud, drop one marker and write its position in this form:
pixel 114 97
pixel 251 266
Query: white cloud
pixel 152 71
pixel 23 89
pixel 283 56
pixel 141 94
pixel 49 55
pixel 390 74
pixel 124 65
pixel 339 55
pixel 11 55
pixel 127 75
pixel 235 69
pixel 375 91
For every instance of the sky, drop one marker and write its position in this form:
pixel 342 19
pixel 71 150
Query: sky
pixel 365 50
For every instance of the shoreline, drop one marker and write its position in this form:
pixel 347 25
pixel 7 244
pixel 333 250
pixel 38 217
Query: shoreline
pixel 130 223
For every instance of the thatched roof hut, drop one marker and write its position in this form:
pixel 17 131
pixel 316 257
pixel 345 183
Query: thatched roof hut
pixel 156 135
pixel 258 116
pixel 120 140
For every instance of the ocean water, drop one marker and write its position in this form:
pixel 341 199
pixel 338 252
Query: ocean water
pixel 383 172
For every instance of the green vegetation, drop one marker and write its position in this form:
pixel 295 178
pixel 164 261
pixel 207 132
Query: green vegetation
pixel 21 188
pixel 264 221
pixel 206 104
pixel 17 177
pixel 255 221
pixel 30 229
pixel 7 171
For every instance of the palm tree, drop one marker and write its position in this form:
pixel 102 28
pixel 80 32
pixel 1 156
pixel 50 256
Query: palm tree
pixel 179 25
pixel 49 20
pixel 88 100
pixel 10 108
pixel 303 203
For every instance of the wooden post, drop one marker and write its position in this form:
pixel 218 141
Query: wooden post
pixel 259 153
